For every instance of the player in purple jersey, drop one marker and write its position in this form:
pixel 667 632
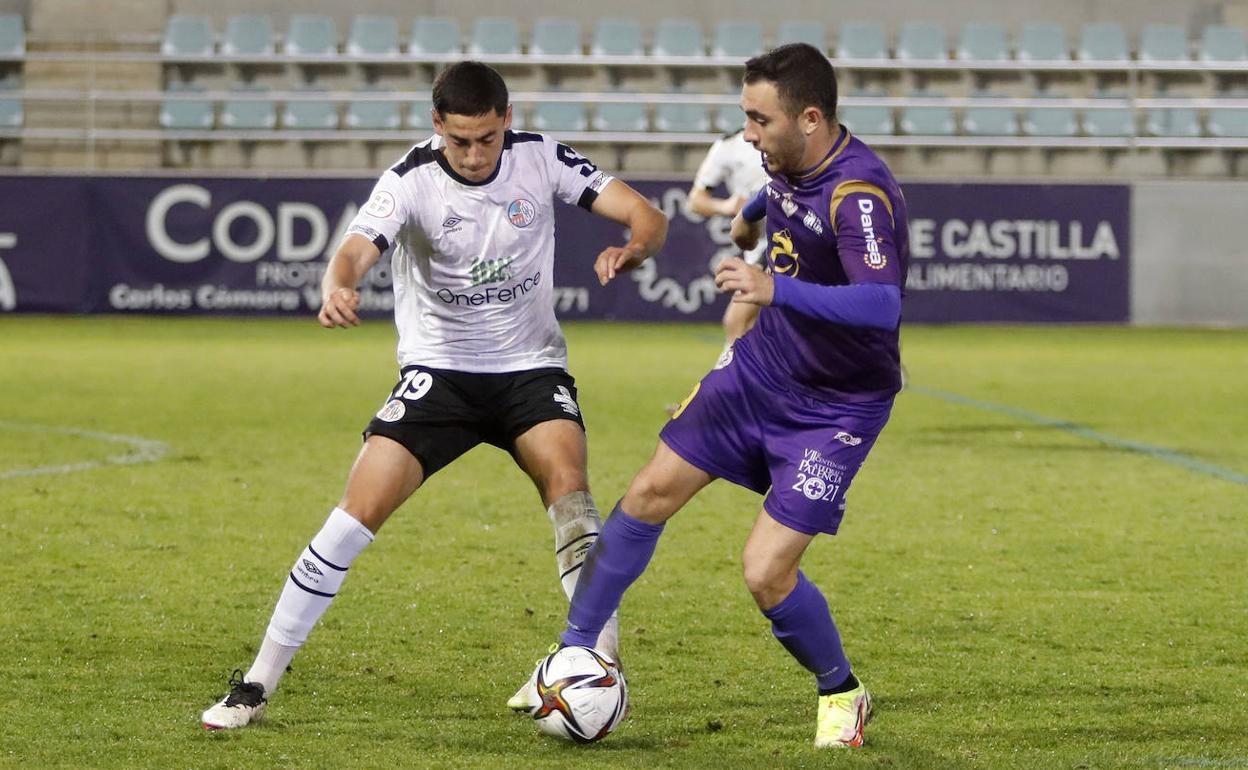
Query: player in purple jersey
pixel 794 406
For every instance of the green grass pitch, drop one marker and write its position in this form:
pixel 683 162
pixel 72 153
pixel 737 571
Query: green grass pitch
pixel 1042 566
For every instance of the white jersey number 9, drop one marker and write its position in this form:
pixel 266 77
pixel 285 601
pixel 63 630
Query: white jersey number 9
pixel 414 385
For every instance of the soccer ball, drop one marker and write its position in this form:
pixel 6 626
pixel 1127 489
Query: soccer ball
pixel 583 695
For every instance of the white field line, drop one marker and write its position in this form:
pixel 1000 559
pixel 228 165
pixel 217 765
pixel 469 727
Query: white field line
pixel 141 450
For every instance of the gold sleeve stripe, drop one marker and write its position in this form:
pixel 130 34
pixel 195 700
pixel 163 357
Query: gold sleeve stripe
pixel 855 186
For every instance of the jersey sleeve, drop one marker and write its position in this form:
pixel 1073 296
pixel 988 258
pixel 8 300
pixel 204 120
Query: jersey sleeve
pixel 576 179
pixel 866 238
pixel 713 171
pixel 384 215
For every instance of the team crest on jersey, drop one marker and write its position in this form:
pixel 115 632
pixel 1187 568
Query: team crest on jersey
pixel 724 359
pixel 393 411
pixel 788 205
pixel 521 212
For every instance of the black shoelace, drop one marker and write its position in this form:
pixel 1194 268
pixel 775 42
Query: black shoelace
pixel 244 693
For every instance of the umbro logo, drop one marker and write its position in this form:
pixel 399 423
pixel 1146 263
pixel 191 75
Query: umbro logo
pixel 451 222
pixel 312 568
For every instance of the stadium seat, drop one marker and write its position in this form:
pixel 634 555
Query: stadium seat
pixel 1103 42
pixel 319 115
pixel 13 35
pixel 373 115
pixel 249 114
pixel 688 118
pixel 560 116
pixel 1228 123
pixel 678 37
pixel 420 115
pixel 248 35
pixel 1050 121
pixel 728 118
pixel 982 41
pixel 1111 121
pixel 867 120
pixel 928 121
pixel 434 35
pixel 1041 41
pixel 1178 122
pixel 1223 44
pixel 311 36
pixel 556 37
pixel 496 35
pixel 737 38
pixel 187 36
pixel 373 36
pixel 1163 42
pixel 990 121
pixel 812 32
pixel 193 114
pixel 922 41
pixel 11 112
pixel 620 116
pixel 616 37
pixel 862 40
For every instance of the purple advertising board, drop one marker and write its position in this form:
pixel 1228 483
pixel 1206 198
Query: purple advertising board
pixel 1043 253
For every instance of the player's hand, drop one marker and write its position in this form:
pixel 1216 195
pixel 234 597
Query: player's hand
pixel 747 284
pixel 745 234
pixel 338 308
pixel 617 259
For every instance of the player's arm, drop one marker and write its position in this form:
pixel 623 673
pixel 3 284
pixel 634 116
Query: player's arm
pixel 702 203
pixel 747 225
pixel 340 298
pixel 646 225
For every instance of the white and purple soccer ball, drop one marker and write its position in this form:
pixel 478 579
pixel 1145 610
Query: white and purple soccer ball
pixel 583 695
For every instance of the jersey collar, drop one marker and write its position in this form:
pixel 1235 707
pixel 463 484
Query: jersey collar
pixel 440 156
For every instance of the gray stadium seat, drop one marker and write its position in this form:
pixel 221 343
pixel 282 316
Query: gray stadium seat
pixel 1112 121
pixel 983 41
pixel 373 36
pixel 990 121
pixel 556 37
pixel 1219 44
pixel 1103 41
pixel 319 115
pixel 373 115
pixel 194 114
pixel 187 36
pixel 928 121
pixel 922 41
pixel 812 32
pixel 1228 123
pixel 560 116
pixel 737 38
pixel 867 120
pixel 1179 122
pixel 248 114
pixel 1042 41
pixel 1164 42
pixel 248 35
pixel 420 115
pixel 496 35
pixel 11 113
pixel 678 37
pixel 434 35
pixel 862 40
pixel 689 118
pixel 728 118
pixel 1050 121
pixel 13 35
pixel 620 116
pixel 311 36
pixel 616 37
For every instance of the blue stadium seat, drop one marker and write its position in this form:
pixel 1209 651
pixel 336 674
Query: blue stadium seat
pixel 1041 41
pixel 248 35
pixel 811 32
pixel 556 37
pixel 249 114
pixel 928 121
pixel 1110 121
pixel 496 35
pixel 373 115
pixel 11 113
pixel 737 38
pixel 13 35
pixel 434 35
pixel 867 120
pixel 922 41
pixel 728 118
pixel 192 114
pixel 1223 44
pixel 420 115
pixel 862 40
pixel 318 115
pixel 1103 42
pixel 616 37
pixel 687 118
pixel 1163 42
pixel 1228 123
pixel 1050 121
pixel 560 116
pixel 620 116
pixel 373 36
pixel 983 41
pixel 311 36
pixel 1177 122
pixel 187 36
pixel 678 37
pixel 990 121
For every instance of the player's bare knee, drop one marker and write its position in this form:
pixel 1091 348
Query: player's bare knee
pixel 648 499
pixel 768 580
pixel 561 483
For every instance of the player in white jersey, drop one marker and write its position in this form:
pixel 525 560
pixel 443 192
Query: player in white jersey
pixel 470 214
pixel 738 165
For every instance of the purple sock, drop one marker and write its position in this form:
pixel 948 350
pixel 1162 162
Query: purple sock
pixel 617 558
pixel 804 626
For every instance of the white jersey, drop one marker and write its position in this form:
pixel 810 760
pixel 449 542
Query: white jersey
pixel 473 262
pixel 736 164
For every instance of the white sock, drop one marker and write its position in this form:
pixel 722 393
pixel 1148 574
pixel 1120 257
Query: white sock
pixel 312 584
pixel 577 523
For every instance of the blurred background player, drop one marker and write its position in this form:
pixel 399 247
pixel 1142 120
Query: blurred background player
pixel 470 213
pixel 794 406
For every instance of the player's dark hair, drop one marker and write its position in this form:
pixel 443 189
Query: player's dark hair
pixel 803 76
pixel 469 88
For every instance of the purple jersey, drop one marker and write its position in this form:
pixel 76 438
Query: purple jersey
pixel 843 222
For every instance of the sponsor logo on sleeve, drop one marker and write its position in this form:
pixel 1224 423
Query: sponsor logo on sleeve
pixel 381 205
pixel 600 182
pixel 874 258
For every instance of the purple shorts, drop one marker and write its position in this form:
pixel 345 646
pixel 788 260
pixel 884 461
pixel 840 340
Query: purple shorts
pixel 736 426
